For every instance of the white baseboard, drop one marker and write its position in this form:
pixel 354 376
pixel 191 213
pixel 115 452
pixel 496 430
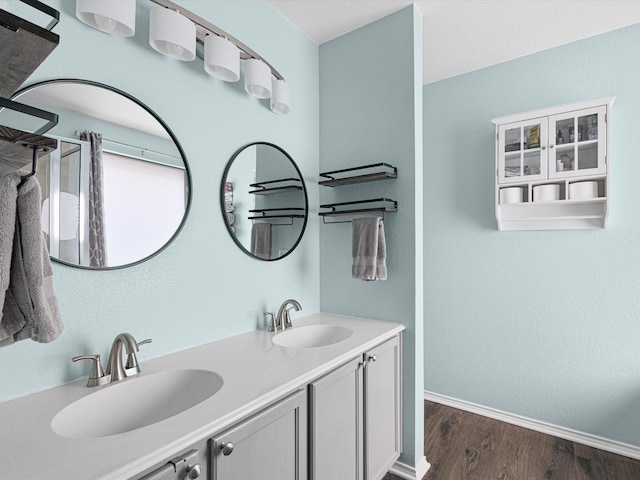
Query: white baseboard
pixel 403 470
pixel 601 443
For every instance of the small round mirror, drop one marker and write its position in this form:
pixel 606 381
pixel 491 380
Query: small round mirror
pixel 264 201
pixel 117 189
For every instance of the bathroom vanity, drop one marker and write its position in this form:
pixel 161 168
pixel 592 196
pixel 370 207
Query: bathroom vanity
pixel 276 412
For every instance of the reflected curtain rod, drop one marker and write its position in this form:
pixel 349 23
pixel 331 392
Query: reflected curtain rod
pixel 134 147
pixel 204 27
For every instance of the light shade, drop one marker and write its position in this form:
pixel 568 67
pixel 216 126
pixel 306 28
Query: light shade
pixel 280 97
pixel 257 78
pixel 221 58
pixel 117 17
pixel 172 34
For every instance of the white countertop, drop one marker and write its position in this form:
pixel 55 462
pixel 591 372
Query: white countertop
pixel 255 372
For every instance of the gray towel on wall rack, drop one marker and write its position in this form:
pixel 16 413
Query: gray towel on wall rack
pixel 9 324
pixel 29 298
pixel 368 249
pixel 261 240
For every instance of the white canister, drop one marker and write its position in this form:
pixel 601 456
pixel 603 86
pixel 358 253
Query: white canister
pixel 583 190
pixel 546 193
pixel 511 195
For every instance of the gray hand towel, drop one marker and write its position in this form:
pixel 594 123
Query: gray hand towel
pixel 30 297
pixel 368 249
pixel 9 323
pixel 261 240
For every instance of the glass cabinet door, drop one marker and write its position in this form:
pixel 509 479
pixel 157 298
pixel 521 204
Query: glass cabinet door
pixel 575 146
pixel 522 148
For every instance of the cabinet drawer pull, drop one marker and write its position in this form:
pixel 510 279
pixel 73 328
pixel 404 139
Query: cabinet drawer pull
pixel 372 358
pixel 226 448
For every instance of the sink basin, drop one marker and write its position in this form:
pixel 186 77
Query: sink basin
pixel 312 336
pixel 135 403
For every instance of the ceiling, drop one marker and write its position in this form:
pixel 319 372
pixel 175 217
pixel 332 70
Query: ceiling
pixel 461 36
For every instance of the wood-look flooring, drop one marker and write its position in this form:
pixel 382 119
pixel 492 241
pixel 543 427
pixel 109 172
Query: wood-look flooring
pixel 464 446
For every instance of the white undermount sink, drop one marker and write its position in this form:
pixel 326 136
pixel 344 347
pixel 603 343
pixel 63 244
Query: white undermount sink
pixel 312 336
pixel 135 403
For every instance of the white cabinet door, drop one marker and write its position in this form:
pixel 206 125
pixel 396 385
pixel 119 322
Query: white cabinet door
pixel 336 431
pixel 522 153
pixel 577 143
pixel 383 408
pixel 272 445
pixel 356 418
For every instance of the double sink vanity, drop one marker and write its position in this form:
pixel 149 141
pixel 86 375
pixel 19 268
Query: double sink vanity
pixel 319 400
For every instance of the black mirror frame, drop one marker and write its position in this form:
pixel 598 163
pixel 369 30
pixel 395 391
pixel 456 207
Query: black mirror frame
pixel 224 213
pixel 173 138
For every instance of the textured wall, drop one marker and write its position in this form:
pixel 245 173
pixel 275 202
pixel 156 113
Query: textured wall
pixel 202 288
pixel 370 91
pixel 538 323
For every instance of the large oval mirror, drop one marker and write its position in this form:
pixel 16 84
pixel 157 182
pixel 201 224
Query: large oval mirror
pixel 118 188
pixel 264 201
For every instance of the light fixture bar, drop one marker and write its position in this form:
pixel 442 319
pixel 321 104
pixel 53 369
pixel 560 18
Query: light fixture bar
pixel 203 28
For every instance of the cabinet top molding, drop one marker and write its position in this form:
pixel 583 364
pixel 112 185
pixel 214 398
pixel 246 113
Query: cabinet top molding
pixel 548 111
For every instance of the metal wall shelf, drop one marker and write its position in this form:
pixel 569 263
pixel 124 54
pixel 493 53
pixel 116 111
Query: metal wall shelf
pixel 380 171
pixel 273 213
pixel 277 214
pixel 365 173
pixel 24 47
pixel 290 185
pixel 383 205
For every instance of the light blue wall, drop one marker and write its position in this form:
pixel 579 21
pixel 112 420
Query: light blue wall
pixel 542 324
pixel 370 111
pixel 202 288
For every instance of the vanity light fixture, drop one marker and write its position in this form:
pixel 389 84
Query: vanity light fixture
pixel 175 31
pixel 280 97
pixel 221 58
pixel 117 17
pixel 261 78
pixel 172 34
pixel 257 78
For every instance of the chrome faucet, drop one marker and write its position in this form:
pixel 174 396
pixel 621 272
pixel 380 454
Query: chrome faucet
pixel 116 367
pixel 282 319
pixel 116 371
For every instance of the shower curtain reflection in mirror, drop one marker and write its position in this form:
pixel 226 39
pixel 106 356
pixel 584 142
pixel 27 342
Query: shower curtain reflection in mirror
pixel 95 200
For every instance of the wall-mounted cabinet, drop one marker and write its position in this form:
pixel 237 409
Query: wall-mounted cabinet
pixel 552 167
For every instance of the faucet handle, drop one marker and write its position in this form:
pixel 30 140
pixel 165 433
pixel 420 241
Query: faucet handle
pixel 272 324
pixel 96 376
pixel 132 367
